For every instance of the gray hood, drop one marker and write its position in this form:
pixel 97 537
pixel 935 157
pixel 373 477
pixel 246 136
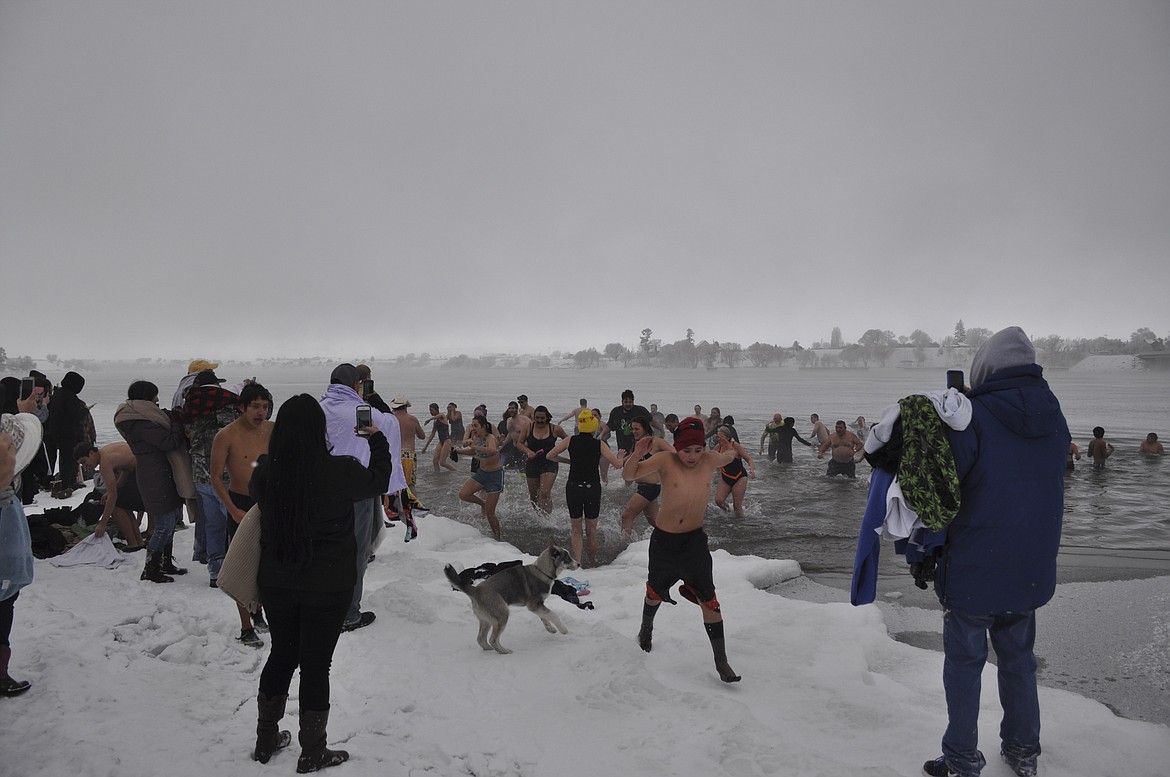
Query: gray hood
pixel 1007 348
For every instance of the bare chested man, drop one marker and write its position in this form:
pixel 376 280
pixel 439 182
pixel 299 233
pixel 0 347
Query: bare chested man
pixel 846 445
pixel 236 448
pixel 678 545
pixel 1151 446
pixel 412 430
pixel 116 465
pixel 405 502
pixel 524 408
pixel 819 430
pixel 516 426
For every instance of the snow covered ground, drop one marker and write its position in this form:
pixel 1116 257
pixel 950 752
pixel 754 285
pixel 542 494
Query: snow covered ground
pixel 133 678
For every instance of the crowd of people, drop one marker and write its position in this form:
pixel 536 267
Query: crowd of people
pixel 331 471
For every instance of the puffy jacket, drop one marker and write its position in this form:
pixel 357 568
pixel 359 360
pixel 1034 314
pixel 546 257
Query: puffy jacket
pixel 1000 554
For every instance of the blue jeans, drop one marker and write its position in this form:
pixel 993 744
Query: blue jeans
pixel 215 517
pixel 1013 636
pixel 367 518
pixel 164 529
pixel 195 513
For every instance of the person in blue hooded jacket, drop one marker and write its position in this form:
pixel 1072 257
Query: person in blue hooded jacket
pixel 999 561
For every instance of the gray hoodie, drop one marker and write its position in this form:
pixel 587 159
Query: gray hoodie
pixel 1007 348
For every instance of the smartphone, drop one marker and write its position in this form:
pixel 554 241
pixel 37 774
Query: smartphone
pixel 26 387
pixel 364 416
pixel 367 388
pixel 955 379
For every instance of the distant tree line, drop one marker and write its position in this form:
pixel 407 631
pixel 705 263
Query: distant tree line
pixel 874 347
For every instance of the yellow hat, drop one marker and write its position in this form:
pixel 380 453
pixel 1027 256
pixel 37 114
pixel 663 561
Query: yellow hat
pixel 199 365
pixel 586 422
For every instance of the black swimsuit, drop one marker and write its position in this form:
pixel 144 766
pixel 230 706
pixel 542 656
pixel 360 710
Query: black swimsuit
pixel 540 465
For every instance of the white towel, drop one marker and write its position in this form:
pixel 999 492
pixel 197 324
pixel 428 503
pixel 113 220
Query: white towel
pixel 95 550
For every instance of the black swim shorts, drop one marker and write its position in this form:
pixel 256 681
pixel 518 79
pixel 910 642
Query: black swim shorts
pixel 649 491
pixel 684 557
pixel 583 499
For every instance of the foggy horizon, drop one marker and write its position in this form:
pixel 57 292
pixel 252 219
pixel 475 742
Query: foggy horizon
pixel 240 180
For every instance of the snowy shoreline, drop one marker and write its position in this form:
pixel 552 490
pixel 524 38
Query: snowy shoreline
pixel 125 673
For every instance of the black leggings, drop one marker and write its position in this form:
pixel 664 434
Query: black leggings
pixel 6 618
pixel 305 626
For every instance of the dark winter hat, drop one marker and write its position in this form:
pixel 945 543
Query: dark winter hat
pixel 345 374
pixel 73 382
pixel 207 377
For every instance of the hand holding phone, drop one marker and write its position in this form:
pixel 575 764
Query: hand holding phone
pixel 365 419
pixel 26 387
pixel 955 380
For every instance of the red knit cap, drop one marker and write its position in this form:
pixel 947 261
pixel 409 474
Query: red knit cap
pixel 690 432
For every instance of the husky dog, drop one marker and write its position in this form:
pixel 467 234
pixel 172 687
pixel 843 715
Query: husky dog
pixel 525 585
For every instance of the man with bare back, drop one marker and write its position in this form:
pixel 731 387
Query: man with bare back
pixel 678 545
pixel 236 448
pixel 115 464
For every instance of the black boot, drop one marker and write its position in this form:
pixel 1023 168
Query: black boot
pixel 168 561
pixel 269 738
pixel 314 754
pixel 646 633
pixel 715 633
pixel 8 686
pixel 153 569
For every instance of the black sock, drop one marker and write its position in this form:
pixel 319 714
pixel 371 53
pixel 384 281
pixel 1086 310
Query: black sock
pixel 646 633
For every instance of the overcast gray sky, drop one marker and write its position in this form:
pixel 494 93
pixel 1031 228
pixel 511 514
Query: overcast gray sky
pixel 233 179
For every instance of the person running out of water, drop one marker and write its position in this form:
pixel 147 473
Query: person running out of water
pixel 539 470
pixel 1151 446
pixel 574 413
pixel 846 445
pixel 524 408
pixel 678 544
pixel 620 418
pixel 602 433
pixel 1099 450
pixel 443 430
pixel 733 478
pixel 457 432
pixel 644 500
pixel 712 424
pixel 819 430
pixel 1074 454
pixel 489 477
pixel 513 428
pixel 671 424
pixel 657 421
pixel 784 437
pixel 583 487
pixel 729 422
pixel 860 428
pixel 771 436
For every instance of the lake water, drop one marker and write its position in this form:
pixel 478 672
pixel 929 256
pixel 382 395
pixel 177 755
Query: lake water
pixel 792 511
